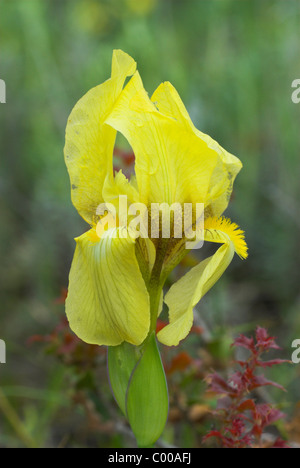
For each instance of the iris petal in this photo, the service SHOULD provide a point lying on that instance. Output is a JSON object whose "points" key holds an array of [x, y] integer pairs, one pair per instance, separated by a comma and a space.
{"points": [[90, 142], [173, 164], [189, 290], [168, 101], [107, 302]]}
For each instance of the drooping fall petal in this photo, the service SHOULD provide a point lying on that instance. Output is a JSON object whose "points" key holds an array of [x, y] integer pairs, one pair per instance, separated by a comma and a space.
{"points": [[189, 290], [108, 302]]}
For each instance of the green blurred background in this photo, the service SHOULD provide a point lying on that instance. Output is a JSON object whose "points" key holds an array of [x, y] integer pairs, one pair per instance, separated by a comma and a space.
{"points": [[233, 63]]}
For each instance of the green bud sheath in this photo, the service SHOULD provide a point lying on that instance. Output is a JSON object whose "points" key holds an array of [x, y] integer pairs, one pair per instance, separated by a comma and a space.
{"points": [[139, 385]]}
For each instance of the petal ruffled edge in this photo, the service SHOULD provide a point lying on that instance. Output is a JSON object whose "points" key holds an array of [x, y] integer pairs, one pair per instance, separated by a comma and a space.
{"points": [[169, 103], [172, 164], [89, 141]]}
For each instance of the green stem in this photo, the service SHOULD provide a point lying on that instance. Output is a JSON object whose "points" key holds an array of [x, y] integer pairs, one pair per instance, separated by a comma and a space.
{"points": [[156, 284]]}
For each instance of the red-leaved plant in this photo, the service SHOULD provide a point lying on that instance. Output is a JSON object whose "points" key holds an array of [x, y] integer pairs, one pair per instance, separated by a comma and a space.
{"points": [[243, 420]]}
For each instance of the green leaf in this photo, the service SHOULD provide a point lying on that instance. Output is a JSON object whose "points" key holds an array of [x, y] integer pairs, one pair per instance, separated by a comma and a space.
{"points": [[147, 396], [121, 361]]}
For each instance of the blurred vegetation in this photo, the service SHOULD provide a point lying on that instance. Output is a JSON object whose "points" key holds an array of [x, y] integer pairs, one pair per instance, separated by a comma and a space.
{"points": [[233, 64]]}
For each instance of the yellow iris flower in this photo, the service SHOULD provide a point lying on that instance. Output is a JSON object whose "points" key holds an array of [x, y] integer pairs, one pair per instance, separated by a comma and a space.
{"points": [[115, 284]]}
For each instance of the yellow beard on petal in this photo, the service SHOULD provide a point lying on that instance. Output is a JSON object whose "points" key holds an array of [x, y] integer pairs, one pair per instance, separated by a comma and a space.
{"points": [[216, 227]]}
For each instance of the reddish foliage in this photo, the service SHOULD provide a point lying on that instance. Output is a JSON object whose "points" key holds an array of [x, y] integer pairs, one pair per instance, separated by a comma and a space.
{"points": [[197, 330], [179, 362], [279, 443], [63, 296], [182, 360], [67, 346], [242, 419], [124, 159], [160, 324]]}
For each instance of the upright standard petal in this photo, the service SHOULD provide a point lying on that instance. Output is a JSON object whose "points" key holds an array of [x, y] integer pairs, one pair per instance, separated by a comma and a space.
{"points": [[189, 290], [107, 302], [90, 142], [173, 165], [168, 102]]}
